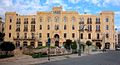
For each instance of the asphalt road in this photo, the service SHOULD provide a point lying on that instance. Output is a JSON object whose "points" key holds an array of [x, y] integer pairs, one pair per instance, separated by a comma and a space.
{"points": [[108, 58]]}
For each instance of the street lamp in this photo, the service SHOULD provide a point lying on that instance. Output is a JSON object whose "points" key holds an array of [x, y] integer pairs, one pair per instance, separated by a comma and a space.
{"points": [[79, 51], [80, 29], [49, 40]]}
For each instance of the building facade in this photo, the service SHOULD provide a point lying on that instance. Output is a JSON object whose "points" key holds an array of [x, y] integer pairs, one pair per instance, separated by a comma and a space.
{"points": [[1, 25], [59, 25], [118, 37]]}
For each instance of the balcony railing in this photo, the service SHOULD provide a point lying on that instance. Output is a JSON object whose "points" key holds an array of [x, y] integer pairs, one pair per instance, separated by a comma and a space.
{"points": [[22, 38], [95, 39], [98, 30], [97, 22], [28, 38]]}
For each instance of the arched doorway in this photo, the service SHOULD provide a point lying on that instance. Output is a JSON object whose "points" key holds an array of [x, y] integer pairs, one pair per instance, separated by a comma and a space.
{"points": [[107, 45], [99, 45], [56, 36]]}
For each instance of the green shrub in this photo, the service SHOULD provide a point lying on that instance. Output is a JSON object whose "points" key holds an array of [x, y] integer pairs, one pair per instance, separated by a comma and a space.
{"points": [[5, 56], [39, 55], [52, 46], [41, 47]]}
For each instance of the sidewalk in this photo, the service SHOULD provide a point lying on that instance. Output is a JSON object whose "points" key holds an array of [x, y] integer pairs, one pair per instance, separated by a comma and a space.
{"points": [[28, 60]]}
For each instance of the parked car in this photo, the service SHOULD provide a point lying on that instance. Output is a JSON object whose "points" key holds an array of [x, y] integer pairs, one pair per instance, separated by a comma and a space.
{"points": [[117, 48]]}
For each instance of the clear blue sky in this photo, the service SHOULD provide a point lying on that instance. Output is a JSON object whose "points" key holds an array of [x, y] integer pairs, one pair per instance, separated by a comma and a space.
{"points": [[89, 6]]}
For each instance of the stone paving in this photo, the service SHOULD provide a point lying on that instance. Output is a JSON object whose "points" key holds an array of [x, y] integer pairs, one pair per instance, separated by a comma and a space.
{"points": [[28, 60]]}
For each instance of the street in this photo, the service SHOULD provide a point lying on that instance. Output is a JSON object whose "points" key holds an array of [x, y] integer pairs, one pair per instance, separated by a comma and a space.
{"points": [[108, 58]]}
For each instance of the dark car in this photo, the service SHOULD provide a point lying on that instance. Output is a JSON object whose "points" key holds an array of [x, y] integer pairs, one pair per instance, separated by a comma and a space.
{"points": [[117, 48]]}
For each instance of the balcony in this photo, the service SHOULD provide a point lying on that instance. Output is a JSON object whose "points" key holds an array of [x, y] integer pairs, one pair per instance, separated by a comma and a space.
{"points": [[98, 30], [81, 22], [22, 38], [94, 39], [97, 22]]}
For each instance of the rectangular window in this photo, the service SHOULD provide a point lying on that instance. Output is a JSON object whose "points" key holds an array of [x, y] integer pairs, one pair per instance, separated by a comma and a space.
{"points": [[107, 28], [18, 28], [97, 20], [97, 27], [32, 35], [17, 35], [89, 36], [106, 19], [18, 21], [25, 20], [25, 35], [65, 19], [40, 35], [9, 27], [73, 35], [56, 27], [64, 27], [33, 21], [40, 27], [89, 27], [73, 19], [107, 35], [81, 27], [25, 27], [98, 36], [41, 19], [81, 21], [48, 35], [10, 20], [73, 28], [49, 19], [32, 27], [9, 35], [89, 21], [81, 35], [65, 35], [48, 27]]}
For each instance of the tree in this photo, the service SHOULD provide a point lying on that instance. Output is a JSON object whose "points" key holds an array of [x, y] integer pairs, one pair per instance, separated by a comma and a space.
{"points": [[74, 46], [2, 36], [99, 45], [88, 43], [68, 44], [7, 46]]}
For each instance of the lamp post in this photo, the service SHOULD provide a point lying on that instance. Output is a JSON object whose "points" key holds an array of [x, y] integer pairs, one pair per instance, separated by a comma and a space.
{"points": [[49, 40], [79, 51], [83, 28]]}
